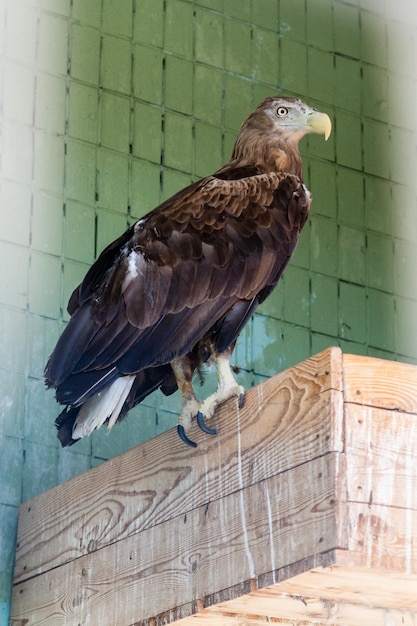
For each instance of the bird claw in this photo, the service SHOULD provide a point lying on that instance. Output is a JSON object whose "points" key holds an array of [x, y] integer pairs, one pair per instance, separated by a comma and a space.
{"points": [[204, 427], [184, 438]]}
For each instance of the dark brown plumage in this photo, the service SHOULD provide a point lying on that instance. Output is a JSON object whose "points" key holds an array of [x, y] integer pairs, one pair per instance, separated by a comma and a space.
{"points": [[178, 286]]}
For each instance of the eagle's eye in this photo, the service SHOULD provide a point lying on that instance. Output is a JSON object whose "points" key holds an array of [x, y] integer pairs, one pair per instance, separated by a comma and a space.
{"points": [[282, 111]]}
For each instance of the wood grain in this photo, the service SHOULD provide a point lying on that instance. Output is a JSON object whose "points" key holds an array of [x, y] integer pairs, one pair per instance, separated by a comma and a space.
{"points": [[288, 420], [238, 537]]}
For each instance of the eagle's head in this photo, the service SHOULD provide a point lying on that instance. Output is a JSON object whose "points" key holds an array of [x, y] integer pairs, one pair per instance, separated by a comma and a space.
{"points": [[269, 137]]}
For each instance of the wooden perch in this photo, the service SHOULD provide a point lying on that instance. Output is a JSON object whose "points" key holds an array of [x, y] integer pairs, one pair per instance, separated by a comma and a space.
{"points": [[315, 478]]}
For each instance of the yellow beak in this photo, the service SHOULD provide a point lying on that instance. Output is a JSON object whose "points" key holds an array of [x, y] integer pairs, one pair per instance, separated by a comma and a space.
{"points": [[320, 123]]}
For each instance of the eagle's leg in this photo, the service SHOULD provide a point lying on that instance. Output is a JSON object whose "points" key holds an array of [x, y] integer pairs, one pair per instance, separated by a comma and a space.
{"points": [[227, 388], [183, 371]]}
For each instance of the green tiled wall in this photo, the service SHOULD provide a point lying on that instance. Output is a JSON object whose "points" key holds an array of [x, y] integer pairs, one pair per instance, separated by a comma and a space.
{"points": [[107, 108]]}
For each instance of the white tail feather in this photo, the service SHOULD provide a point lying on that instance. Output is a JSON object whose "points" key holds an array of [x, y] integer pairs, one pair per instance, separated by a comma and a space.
{"points": [[107, 404]]}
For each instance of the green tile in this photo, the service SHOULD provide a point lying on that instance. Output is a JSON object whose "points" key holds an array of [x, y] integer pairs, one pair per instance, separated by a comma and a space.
{"points": [[324, 253], [148, 22], [74, 273], [346, 30], [178, 132], [401, 44], [348, 84], [381, 316], [21, 33], [321, 342], [17, 152], [215, 5], [237, 101], [405, 260], [375, 93], [273, 306], [18, 93], [208, 94], [50, 109], [62, 7], [85, 54], [324, 304], [113, 181], [320, 24], [12, 402], [323, 188], [147, 132], [15, 210], [374, 47], [80, 171], [265, 56], [40, 469], [228, 143], [405, 326], [13, 343], [41, 413], [116, 64], [49, 162], [301, 256], [115, 122], [350, 196], [376, 148], [208, 37], [401, 110], [79, 232], [378, 205], [173, 181], [292, 19], [179, 28], [348, 134], [296, 342], [145, 187], [265, 14], [45, 284], [147, 73], [402, 155], [208, 149], [404, 212], [179, 84], [296, 284], [52, 52], [352, 312], [321, 75], [87, 13], [83, 112], [238, 8], [380, 262], [110, 225], [352, 254], [267, 346], [46, 231], [293, 66], [238, 47], [43, 334], [117, 17], [14, 284]]}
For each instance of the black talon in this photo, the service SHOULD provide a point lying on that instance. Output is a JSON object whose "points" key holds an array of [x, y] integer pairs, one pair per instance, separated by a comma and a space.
{"points": [[183, 436], [204, 428], [241, 400]]}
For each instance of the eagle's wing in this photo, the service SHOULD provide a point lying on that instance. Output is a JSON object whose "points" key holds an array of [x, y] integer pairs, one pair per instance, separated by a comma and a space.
{"points": [[159, 288]]}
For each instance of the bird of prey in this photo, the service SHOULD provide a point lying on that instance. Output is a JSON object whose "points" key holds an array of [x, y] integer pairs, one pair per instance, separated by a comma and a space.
{"points": [[175, 290]]}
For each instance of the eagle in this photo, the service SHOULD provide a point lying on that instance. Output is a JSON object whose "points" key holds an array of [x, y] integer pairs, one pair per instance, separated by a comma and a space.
{"points": [[174, 291]]}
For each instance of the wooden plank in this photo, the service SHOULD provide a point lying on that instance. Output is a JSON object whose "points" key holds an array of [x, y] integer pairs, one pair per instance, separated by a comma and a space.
{"points": [[254, 530], [288, 420], [381, 453], [376, 382]]}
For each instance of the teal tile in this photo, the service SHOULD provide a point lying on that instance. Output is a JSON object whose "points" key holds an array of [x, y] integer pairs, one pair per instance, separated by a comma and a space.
{"points": [[80, 171], [12, 401], [145, 188], [74, 273], [179, 19], [376, 148], [45, 284], [323, 188], [208, 94], [83, 112], [352, 254], [375, 95], [147, 73], [320, 24], [265, 57], [324, 253], [49, 153], [9, 517], [79, 232], [321, 75], [71, 463], [381, 320], [52, 52], [47, 226], [110, 225], [374, 48], [405, 263], [352, 312], [41, 413], [87, 13], [293, 66], [267, 346], [348, 132], [350, 196], [380, 262], [147, 132], [112, 181], [165, 420], [178, 132], [14, 284], [115, 122], [348, 84], [273, 306], [296, 296], [238, 47], [13, 342], [324, 304], [149, 22], [238, 101], [40, 469], [118, 17], [346, 30], [15, 212], [42, 336], [116, 64], [179, 84], [292, 19], [378, 205], [242, 354], [85, 54], [208, 149], [18, 93], [208, 37]]}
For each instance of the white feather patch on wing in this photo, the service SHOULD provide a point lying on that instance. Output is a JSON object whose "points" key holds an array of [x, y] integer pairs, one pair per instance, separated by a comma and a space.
{"points": [[107, 404]]}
